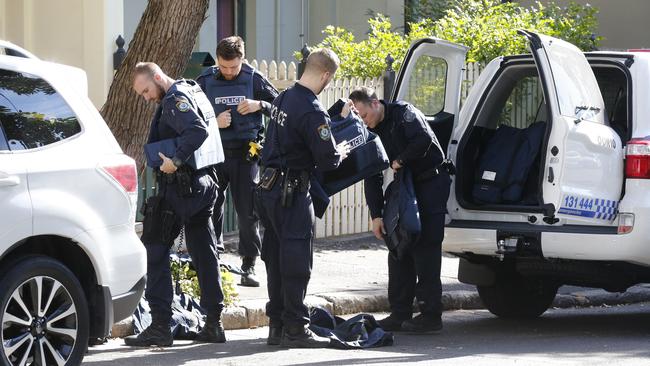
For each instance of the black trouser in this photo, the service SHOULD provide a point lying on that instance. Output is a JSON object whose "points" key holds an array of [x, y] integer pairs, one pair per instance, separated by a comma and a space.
{"points": [[194, 212], [417, 273], [288, 253], [241, 176]]}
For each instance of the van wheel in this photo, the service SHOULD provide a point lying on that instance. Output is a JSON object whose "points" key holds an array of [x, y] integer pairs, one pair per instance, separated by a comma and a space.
{"points": [[44, 314], [518, 297]]}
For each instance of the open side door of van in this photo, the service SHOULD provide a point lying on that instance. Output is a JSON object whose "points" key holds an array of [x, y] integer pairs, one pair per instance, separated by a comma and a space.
{"points": [[584, 157], [430, 79]]}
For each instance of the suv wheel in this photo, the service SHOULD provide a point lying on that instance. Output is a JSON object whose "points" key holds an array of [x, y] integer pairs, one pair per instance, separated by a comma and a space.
{"points": [[515, 296], [44, 314]]}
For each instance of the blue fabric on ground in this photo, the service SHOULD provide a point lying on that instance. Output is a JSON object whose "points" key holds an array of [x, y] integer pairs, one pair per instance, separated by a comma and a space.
{"points": [[360, 331]]}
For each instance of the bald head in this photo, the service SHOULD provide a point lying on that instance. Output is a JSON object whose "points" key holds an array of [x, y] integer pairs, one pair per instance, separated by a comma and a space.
{"points": [[322, 60], [150, 81], [149, 69]]}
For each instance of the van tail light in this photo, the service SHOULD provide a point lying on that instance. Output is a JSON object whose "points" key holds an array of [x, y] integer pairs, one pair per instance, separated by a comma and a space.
{"points": [[625, 223], [125, 175], [637, 158]]}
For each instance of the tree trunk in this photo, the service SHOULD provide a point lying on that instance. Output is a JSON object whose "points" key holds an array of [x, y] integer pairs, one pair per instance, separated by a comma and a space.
{"points": [[165, 35]]}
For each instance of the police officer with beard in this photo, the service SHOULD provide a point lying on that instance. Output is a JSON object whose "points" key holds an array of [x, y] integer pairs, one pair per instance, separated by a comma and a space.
{"points": [[410, 142], [239, 95], [186, 199], [298, 141]]}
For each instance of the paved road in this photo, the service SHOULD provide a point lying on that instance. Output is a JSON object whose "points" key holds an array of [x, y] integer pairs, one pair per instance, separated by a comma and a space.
{"points": [[609, 336]]}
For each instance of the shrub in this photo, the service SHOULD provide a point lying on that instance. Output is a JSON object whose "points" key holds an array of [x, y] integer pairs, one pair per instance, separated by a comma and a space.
{"points": [[487, 27]]}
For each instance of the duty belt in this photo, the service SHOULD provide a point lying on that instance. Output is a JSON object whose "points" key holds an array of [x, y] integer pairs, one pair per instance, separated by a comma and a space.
{"points": [[270, 176], [446, 166]]}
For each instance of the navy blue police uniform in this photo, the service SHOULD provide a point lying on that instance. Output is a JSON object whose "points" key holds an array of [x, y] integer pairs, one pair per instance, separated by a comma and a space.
{"points": [[236, 170], [180, 116], [298, 140], [408, 139]]}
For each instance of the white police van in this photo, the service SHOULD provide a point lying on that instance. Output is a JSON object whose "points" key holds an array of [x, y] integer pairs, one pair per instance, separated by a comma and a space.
{"points": [[581, 204], [71, 263]]}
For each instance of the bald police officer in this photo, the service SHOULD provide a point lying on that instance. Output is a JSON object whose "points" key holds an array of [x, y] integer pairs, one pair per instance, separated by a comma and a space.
{"points": [[240, 95], [409, 141], [298, 141], [183, 114]]}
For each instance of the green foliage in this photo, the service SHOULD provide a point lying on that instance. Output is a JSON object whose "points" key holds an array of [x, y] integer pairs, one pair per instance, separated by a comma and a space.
{"points": [[487, 27], [189, 282], [416, 10]]}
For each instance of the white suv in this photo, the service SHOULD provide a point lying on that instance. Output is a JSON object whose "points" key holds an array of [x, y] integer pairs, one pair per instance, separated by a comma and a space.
{"points": [[71, 263], [566, 198]]}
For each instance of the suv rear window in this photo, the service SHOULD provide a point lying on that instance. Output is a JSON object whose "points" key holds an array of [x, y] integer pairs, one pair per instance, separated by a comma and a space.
{"points": [[426, 85], [32, 113]]}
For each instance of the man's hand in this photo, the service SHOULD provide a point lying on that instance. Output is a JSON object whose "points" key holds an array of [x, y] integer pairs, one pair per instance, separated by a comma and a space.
{"points": [[378, 228], [349, 106], [167, 166], [343, 149], [224, 119], [247, 106], [395, 165]]}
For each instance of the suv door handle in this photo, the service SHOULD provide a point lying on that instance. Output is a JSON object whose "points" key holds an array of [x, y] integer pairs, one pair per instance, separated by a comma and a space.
{"points": [[8, 180]]}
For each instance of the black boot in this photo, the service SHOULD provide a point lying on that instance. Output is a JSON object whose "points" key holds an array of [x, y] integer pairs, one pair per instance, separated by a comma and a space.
{"points": [[275, 335], [302, 337], [393, 322], [423, 324], [249, 278], [157, 334], [212, 331]]}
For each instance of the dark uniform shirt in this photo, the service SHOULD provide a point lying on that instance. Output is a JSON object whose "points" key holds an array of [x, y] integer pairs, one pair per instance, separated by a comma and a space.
{"points": [[178, 115], [299, 135], [407, 137]]}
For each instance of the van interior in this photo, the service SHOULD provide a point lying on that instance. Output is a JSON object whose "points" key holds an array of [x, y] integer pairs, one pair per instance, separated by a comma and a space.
{"points": [[499, 161]]}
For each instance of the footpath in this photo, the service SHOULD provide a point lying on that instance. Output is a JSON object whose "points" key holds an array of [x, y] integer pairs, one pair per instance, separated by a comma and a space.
{"points": [[350, 275]]}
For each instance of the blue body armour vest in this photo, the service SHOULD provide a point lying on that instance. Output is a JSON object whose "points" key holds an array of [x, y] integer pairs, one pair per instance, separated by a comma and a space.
{"points": [[227, 94]]}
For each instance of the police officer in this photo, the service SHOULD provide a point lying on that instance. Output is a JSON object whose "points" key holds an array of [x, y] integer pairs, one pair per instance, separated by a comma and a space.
{"points": [[298, 140], [409, 141], [183, 112], [239, 95]]}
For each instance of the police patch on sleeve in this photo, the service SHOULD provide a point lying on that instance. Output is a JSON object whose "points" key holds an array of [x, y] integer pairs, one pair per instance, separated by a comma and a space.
{"points": [[182, 104], [324, 132], [409, 115]]}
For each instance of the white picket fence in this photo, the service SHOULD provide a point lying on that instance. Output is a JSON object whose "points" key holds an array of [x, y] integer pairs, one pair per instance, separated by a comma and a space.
{"points": [[347, 212]]}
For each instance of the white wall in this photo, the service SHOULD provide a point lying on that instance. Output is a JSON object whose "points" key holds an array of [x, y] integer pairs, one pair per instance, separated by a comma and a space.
{"points": [[74, 32]]}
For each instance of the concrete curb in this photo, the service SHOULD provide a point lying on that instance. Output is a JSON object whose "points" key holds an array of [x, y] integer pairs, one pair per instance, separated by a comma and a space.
{"points": [[251, 313]]}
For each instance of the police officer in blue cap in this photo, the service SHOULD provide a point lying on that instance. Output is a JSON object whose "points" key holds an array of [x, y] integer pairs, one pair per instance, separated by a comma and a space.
{"points": [[298, 141], [239, 95], [410, 142], [187, 198]]}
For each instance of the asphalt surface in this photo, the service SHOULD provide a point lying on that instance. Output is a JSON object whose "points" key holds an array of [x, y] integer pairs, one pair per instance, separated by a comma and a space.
{"points": [[618, 335]]}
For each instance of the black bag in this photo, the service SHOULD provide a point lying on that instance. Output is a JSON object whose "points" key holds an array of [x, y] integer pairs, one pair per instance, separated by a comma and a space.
{"points": [[160, 225]]}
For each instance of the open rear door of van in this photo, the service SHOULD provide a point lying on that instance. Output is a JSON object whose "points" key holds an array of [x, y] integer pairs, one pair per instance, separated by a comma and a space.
{"points": [[430, 79], [584, 171]]}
